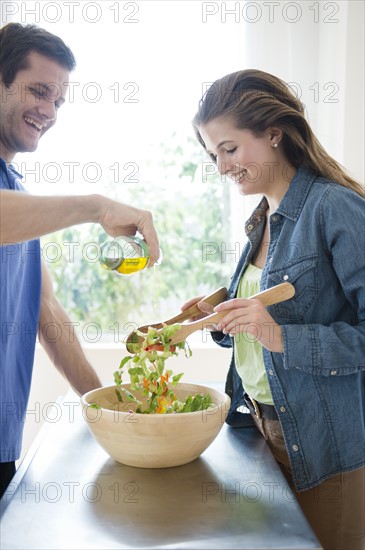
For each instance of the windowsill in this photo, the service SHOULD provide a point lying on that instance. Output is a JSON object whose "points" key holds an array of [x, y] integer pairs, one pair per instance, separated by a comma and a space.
{"points": [[197, 341]]}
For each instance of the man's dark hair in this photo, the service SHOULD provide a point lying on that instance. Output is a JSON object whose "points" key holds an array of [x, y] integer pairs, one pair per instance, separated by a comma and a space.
{"points": [[18, 41]]}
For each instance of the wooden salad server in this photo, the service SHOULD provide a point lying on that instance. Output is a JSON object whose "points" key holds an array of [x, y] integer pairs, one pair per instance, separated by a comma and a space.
{"points": [[215, 298], [268, 297]]}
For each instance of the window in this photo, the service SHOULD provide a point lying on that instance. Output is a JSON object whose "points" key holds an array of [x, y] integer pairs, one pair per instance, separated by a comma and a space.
{"points": [[125, 132]]}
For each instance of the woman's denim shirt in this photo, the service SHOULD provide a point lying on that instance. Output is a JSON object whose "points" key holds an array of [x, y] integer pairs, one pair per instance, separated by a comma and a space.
{"points": [[318, 383]]}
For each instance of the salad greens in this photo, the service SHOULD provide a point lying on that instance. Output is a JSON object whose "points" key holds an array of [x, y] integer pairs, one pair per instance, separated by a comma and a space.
{"points": [[149, 376]]}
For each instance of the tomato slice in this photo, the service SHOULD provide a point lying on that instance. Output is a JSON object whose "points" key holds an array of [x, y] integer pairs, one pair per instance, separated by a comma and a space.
{"points": [[160, 347]]}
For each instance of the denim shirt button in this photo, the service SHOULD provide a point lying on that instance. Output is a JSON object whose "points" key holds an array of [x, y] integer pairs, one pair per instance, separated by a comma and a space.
{"points": [[295, 448], [286, 277], [282, 409], [250, 227], [333, 372], [274, 218], [271, 372]]}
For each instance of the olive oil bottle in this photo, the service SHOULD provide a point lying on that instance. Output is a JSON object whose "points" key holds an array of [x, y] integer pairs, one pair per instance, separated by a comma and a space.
{"points": [[124, 255]]}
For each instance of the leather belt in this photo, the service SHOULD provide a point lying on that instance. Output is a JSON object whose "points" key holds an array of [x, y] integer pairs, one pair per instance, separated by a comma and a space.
{"points": [[261, 410]]}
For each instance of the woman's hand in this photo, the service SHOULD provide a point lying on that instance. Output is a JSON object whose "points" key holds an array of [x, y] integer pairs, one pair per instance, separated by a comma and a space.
{"points": [[249, 316], [205, 308]]}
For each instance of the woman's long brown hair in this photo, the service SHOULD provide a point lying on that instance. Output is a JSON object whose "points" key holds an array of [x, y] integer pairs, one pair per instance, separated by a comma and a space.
{"points": [[255, 101]]}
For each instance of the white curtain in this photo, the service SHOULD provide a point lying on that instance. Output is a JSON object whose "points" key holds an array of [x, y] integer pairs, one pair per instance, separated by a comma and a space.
{"points": [[319, 48]]}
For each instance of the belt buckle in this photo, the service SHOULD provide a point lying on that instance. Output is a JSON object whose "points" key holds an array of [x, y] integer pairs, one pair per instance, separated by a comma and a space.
{"points": [[256, 407]]}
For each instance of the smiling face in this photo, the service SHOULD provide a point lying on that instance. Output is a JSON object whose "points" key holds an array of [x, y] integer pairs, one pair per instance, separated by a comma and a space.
{"points": [[28, 107], [255, 163]]}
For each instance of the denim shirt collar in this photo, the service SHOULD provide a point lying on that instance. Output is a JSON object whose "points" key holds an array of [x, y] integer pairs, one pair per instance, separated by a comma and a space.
{"points": [[293, 201], [290, 206]]}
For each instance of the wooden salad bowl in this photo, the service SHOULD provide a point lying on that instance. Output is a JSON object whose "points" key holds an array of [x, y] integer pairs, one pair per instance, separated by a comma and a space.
{"points": [[153, 440]]}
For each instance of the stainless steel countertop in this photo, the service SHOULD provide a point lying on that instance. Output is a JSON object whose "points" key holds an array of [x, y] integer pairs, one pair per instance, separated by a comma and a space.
{"points": [[68, 494]]}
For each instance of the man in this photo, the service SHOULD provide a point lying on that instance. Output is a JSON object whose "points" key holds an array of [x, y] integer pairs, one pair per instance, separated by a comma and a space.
{"points": [[34, 75]]}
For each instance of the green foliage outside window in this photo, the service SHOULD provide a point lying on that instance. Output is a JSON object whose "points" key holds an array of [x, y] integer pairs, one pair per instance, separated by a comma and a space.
{"points": [[192, 216]]}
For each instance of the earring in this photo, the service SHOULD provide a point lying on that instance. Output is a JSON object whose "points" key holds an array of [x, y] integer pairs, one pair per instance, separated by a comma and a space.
{"points": [[274, 145]]}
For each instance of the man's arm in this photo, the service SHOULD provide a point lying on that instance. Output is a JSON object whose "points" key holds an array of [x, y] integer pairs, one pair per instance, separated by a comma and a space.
{"points": [[61, 344], [24, 217]]}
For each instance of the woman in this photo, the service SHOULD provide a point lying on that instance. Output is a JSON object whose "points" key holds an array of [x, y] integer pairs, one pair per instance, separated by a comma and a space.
{"points": [[297, 366]]}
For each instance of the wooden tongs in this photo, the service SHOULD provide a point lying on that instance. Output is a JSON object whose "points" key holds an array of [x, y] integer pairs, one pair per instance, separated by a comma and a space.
{"points": [[268, 297], [134, 341]]}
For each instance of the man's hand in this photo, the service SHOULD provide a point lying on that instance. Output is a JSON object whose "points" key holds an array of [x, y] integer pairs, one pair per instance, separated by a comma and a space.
{"points": [[117, 219]]}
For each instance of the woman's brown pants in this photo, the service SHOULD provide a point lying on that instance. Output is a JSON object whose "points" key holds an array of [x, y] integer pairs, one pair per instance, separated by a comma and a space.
{"points": [[335, 509]]}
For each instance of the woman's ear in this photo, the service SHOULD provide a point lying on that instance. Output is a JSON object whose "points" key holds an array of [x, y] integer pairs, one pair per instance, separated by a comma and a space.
{"points": [[274, 135]]}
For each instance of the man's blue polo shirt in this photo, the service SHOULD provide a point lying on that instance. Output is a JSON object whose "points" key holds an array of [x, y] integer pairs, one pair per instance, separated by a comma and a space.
{"points": [[20, 296]]}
